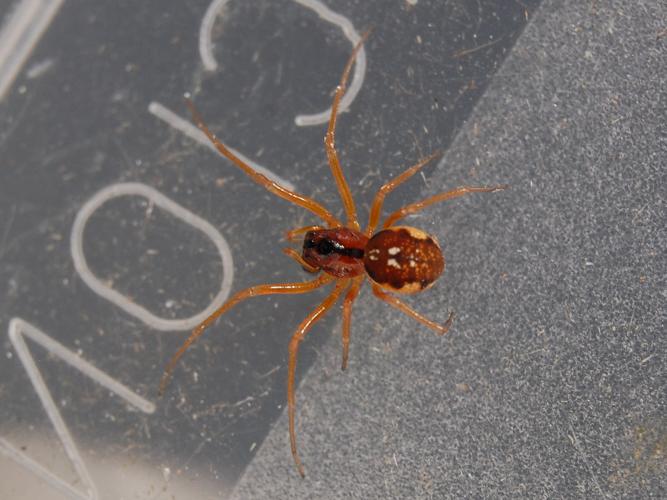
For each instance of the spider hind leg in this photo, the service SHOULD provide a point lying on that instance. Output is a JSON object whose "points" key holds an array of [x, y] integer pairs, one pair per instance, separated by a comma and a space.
{"points": [[404, 308], [296, 340], [350, 297]]}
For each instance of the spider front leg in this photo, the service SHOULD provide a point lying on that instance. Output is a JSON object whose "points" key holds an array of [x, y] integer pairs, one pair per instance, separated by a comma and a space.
{"points": [[404, 308], [290, 252], [330, 139], [262, 180], [293, 233], [278, 288], [298, 336]]}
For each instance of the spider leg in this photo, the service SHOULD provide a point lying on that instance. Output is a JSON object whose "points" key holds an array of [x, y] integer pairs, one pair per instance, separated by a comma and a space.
{"points": [[376, 207], [454, 193], [273, 187], [403, 307], [290, 252], [278, 288], [329, 141], [291, 235], [350, 297], [298, 336]]}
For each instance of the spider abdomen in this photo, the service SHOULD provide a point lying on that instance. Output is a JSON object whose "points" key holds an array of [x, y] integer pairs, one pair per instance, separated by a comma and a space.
{"points": [[403, 259]]}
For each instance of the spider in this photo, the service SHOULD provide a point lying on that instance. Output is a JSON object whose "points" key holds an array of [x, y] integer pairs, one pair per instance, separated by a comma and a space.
{"points": [[399, 259]]}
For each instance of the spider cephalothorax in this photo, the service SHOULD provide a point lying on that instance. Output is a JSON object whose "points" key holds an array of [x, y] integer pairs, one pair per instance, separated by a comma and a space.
{"points": [[338, 251]]}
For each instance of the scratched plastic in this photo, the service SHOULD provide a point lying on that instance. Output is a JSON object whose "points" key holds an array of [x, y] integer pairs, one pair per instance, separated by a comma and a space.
{"points": [[121, 227]]}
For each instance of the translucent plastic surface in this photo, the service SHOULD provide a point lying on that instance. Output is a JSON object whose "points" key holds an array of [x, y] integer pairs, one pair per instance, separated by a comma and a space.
{"points": [[120, 227]]}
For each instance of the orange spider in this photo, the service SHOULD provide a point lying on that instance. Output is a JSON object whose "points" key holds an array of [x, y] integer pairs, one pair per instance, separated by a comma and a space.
{"points": [[400, 259]]}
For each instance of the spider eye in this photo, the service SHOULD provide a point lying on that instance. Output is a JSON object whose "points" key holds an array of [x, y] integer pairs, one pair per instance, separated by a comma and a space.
{"points": [[309, 243], [325, 247]]}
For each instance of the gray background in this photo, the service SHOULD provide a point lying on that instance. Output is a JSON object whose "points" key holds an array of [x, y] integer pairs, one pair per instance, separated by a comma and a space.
{"points": [[552, 380]]}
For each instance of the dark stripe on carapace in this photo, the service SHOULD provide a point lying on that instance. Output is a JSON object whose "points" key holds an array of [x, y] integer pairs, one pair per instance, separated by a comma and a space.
{"points": [[327, 246], [355, 253]]}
